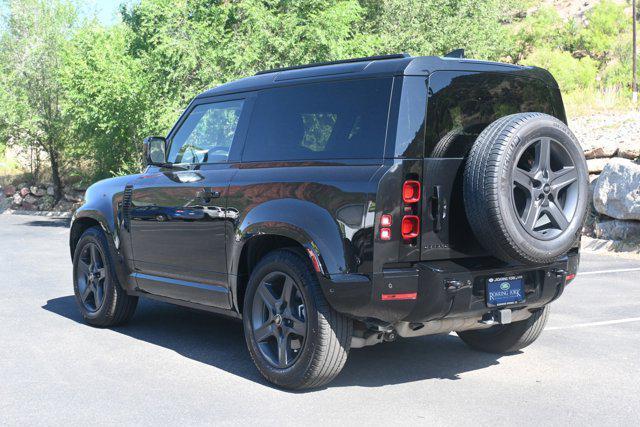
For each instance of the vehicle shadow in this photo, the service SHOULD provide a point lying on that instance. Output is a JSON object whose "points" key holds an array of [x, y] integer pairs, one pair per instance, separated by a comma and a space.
{"points": [[55, 222], [219, 342]]}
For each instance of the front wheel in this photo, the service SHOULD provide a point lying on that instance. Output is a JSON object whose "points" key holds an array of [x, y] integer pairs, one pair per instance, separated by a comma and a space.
{"points": [[101, 299], [295, 339], [507, 338]]}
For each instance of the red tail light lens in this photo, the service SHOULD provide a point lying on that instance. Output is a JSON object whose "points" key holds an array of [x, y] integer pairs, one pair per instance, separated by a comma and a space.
{"points": [[386, 220], [410, 227], [411, 191]]}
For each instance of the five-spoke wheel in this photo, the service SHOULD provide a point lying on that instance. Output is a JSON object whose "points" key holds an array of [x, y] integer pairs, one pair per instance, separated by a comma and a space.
{"points": [[295, 338], [544, 195], [101, 298], [279, 319], [90, 276]]}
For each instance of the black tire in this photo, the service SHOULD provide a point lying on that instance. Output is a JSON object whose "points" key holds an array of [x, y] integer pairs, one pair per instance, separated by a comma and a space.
{"points": [[116, 306], [324, 350], [534, 223], [507, 338]]}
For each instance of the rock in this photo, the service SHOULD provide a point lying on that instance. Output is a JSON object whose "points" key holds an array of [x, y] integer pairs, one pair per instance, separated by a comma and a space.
{"points": [[16, 202], [617, 190], [46, 203], [630, 150], [30, 199], [72, 197], [9, 190], [596, 165], [36, 191], [602, 147], [24, 191], [51, 190], [5, 203], [615, 229]]}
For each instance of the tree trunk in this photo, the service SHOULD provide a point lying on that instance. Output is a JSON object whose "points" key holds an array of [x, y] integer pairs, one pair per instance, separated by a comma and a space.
{"points": [[55, 175]]}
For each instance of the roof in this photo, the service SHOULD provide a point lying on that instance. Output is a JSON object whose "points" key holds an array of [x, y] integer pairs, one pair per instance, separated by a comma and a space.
{"points": [[392, 65]]}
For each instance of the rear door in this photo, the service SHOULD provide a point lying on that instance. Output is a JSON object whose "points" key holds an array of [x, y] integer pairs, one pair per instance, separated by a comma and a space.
{"points": [[460, 106], [178, 215]]}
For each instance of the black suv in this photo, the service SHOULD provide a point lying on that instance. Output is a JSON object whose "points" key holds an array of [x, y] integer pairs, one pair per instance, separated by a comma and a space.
{"points": [[339, 205]]}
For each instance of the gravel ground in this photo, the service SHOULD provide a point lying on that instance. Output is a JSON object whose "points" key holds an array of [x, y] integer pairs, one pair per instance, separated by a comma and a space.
{"points": [[176, 366]]}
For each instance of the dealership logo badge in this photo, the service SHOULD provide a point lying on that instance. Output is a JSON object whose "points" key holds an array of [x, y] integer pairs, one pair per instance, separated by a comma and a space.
{"points": [[505, 286]]}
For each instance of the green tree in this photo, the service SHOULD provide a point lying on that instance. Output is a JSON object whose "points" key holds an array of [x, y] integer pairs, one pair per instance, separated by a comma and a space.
{"points": [[31, 54], [438, 26], [108, 98]]}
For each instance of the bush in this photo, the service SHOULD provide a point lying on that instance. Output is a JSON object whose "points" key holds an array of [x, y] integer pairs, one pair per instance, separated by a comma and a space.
{"points": [[571, 73], [605, 22]]}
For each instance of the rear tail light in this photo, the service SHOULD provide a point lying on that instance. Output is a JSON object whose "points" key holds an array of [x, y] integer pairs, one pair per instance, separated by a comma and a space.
{"points": [[386, 220], [385, 234], [411, 191], [410, 227]]}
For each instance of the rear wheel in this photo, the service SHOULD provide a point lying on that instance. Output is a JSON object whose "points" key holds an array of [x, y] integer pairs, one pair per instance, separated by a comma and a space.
{"points": [[101, 299], [295, 338], [507, 338]]}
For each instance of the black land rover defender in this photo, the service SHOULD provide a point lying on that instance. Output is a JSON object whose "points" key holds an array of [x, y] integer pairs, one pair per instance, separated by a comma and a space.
{"points": [[339, 205]]}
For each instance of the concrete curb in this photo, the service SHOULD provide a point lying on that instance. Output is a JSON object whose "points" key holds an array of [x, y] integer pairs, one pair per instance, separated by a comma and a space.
{"points": [[50, 214]]}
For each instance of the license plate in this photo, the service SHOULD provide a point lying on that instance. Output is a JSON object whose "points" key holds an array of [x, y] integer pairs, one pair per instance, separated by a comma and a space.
{"points": [[505, 290]]}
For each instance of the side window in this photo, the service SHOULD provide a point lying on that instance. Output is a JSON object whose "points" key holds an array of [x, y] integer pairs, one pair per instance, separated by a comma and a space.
{"points": [[207, 133], [462, 104], [333, 120]]}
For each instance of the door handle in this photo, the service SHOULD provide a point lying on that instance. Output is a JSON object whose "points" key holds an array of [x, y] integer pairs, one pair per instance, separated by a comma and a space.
{"points": [[206, 195]]}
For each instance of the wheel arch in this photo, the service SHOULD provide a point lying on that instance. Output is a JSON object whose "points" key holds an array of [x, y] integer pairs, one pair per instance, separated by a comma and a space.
{"points": [[80, 224], [305, 227]]}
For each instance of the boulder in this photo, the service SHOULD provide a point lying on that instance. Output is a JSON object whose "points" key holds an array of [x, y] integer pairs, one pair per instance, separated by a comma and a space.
{"points": [[596, 165], [30, 199], [9, 190], [5, 203], [46, 203], [601, 147], [71, 197], [24, 191], [615, 229], [630, 149], [617, 190], [37, 191], [17, 199], [51, 190]]}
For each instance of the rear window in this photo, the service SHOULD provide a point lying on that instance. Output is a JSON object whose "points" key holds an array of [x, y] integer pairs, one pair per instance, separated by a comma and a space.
{"points": [[461, 105], [320, 121]]}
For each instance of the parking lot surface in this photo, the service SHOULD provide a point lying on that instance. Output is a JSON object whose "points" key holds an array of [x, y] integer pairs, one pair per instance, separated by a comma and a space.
{"points": [[173, 365]]}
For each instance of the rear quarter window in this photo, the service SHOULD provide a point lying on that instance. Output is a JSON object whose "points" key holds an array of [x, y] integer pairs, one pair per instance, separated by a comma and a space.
{"points": [[320, 121], [461, 105]]}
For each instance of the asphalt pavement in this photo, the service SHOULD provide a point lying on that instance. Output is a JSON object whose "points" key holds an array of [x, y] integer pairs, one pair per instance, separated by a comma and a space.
{"points": [[173, 365]]}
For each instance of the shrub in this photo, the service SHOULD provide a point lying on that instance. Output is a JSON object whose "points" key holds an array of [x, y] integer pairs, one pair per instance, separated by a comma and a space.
{"points": [[571, 73]]}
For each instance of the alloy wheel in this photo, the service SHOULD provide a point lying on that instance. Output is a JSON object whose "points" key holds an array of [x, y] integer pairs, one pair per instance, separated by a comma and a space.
{"points": [[279, 320], [91, 276], [545, 190]]}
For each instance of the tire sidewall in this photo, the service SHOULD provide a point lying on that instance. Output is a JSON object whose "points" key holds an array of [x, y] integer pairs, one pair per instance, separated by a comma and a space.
{"points": [[541, 126], [293, 374], [94, 235]]}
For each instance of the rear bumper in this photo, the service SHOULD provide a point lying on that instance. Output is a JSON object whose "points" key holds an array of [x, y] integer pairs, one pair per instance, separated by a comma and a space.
{"points": [[446, 289]]}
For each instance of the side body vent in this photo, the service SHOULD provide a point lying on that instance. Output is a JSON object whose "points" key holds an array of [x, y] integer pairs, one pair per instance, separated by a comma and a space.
{"points": [[126, 206]]}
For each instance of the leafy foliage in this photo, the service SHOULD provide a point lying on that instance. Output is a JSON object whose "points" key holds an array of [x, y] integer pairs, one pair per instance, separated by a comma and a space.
{"points": [[85, 95]]}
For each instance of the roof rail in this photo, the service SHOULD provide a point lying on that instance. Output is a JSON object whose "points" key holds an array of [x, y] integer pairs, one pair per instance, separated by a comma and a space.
{"points": [[341, 61]]}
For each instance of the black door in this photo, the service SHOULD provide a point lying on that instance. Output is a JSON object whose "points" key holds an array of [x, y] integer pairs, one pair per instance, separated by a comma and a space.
{"points": [[178, 215]]}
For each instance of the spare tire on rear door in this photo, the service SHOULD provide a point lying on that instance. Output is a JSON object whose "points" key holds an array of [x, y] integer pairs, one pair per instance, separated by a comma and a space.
{"points": [[526, 188]]}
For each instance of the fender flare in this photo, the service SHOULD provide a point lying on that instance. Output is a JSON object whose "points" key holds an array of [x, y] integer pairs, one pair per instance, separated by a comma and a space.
{"points": [[308, 224]]}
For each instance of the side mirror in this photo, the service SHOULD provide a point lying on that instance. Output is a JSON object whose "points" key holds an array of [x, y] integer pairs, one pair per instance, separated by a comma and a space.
{"points": [[153, 149]]}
